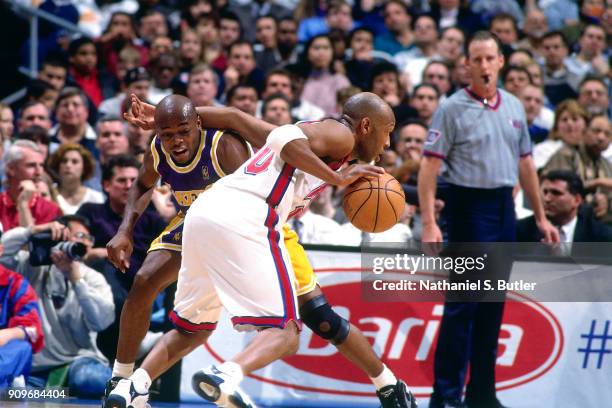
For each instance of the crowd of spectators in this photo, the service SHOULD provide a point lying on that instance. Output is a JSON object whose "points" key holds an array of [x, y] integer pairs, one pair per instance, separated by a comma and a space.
{"points": [[68, 158]]}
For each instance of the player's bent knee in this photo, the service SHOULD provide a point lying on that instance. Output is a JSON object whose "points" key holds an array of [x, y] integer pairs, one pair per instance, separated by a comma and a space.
{"points": [[318, 315]]}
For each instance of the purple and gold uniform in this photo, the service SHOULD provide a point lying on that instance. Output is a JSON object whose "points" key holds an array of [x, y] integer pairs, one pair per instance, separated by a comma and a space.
{"points": [[186, 181]]}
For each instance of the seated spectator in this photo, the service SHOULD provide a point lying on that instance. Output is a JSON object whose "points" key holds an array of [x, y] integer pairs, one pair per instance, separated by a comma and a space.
{"points": [[138, 139], [152, 24], [206, 36], [593, 169], [536, 25], [21, 333], [230, 31], [75, 303], [398, 21], [190, 53], [344, 95], [241, 67], [136, 81], [409, 142], [412, 62], [515, 79], [112, 141], [363, 57], [322, 82], [559, 82], [203, 85], [38, 135], [163, 69], [6, 124], [118, 176], [505, 27], [244, 98], [591, 59], [562, 196], [34, 114], [287, 41], [438, 73], [532, 98], [72, 127], [455, 13], [385, 82], [71, 165], [266, 48], [54, 71], [425, 100], [20, 205], [83, 70], [290, 84], [593, 96], [41, 91], [276, 109], [451, 43], [160, 45], [338, 16], [568, 128], [460, 74]]}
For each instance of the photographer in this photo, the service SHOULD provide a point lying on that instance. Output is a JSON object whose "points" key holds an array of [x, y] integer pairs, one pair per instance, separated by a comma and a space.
{"points": [[75, 302]]}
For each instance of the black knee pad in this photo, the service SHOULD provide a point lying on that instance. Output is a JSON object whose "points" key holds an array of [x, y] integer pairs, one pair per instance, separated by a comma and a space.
{"points": [[318, 315]]}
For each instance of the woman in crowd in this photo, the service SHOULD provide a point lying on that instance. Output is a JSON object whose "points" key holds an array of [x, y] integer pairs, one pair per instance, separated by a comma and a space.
{"points": [[71, 165]]}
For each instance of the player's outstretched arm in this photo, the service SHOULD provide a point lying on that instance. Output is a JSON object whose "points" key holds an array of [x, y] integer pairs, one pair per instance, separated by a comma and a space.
{"points": [[120, 247], [253, 130]]}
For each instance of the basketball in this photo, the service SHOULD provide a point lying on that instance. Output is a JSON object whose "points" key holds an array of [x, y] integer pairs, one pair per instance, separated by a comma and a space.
{"points": [[374, 204]]}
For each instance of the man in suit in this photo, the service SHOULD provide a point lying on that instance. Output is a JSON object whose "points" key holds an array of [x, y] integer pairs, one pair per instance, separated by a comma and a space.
{"points": [[562, 195]]}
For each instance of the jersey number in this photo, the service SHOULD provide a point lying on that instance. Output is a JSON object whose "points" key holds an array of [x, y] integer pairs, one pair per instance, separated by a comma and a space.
{"points": [[260, 162]]}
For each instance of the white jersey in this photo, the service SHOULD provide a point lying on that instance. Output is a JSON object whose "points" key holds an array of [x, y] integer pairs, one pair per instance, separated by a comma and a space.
{"points": [[266, 175]]}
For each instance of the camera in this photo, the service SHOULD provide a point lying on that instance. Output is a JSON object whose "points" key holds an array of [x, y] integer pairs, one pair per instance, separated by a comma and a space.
{"points": [[41, 245]]}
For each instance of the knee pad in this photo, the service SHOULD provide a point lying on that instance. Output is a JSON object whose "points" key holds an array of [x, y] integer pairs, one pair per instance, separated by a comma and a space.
{"points": [[318, 315]]}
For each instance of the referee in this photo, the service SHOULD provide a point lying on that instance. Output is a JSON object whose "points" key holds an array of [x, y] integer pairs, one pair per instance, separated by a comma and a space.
{"points": [[480, 133]]}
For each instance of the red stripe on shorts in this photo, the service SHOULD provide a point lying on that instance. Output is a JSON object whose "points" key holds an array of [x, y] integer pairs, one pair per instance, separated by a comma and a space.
{"points": [[186, 325]]}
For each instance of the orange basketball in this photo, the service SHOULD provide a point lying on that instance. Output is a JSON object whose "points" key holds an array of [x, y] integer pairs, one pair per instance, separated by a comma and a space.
{"points": [[374, 204]]}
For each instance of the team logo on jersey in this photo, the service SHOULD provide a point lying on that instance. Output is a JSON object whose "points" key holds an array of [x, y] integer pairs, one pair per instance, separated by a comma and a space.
{"points": [[433, 135], [205, 173], [177, 236], [515, 123]]}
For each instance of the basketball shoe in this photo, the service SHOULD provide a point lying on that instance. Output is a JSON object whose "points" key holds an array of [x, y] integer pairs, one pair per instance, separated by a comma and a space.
{"points": [[124, 395], [216, 386]]}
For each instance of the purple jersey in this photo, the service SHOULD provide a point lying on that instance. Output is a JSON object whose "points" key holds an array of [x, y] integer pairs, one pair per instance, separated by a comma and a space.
{"points": [[189, 180]]}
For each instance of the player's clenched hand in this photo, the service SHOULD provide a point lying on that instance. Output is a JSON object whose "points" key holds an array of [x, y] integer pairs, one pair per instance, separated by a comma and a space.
{"points": [[354, 172], [120, 250], [140, 113]]}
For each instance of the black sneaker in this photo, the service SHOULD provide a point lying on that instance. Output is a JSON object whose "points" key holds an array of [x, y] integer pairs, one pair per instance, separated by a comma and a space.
{"points": [[110, 386], [396, 396], [125, 396]]}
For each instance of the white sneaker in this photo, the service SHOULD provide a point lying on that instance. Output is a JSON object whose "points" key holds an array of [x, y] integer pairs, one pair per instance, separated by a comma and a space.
{"points": [[216, 386], [125, 396]]}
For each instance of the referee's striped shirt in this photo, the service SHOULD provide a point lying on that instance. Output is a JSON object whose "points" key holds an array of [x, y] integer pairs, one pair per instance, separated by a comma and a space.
{"points": [[480, 144]]}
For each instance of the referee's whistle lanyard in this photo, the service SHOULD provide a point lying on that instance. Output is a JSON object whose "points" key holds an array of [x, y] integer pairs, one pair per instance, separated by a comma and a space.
{"points": [[488, 103]]}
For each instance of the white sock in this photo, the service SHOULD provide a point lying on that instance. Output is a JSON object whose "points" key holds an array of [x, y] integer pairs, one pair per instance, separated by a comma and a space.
{"points": [[233, 370], [383, 379], [141, 381], [122, 370]]}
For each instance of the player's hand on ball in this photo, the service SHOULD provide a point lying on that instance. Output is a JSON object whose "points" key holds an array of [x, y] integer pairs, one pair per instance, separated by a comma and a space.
{"points": [[140, 113], [120, 250], [354, 172]]}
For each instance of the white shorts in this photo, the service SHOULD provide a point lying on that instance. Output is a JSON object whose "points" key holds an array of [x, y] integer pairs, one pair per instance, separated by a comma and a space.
{"points": [[233, 255]]}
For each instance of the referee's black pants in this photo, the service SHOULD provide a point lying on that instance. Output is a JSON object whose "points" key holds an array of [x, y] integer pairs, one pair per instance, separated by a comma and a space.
{"points": [[469, 330]]}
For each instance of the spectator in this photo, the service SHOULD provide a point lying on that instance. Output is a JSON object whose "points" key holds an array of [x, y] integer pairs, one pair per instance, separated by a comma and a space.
{"points": [[54, 71], [191, 53], [230, 31], [559, 82], [20, 326], [207, 32], [242, 67], [19, 203], [6, 124], [593, 169], [34, 114], [570, 124], [112, 141], [266, 49], [75, 302], [276, 109], [243, 97], [504, 26], [337, 16], [413, 60], [83, 68], [535, 27], [344, 95], [536, 72], [359, 66], [129, 58], [425, 100], [72, 127], [488, 9], [438, 73], [138, 139], [152, 25], [410, 141], [460, 73], [163, 69], [160, 45], [118, 177], [280, 80], [385, 82], [203, 85], [136, 81], [38, 135], [287, 41], [593, 96], [455, 13], [562, 195], [514, 79], [322, 82], [519, 58], [532, 98], [398, 21], [590, 60], [41, 91], [450, 44], [71, 165]]}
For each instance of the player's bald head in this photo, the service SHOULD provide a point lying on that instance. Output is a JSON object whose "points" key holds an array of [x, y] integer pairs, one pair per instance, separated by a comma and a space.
{"points": [[174, 109], [367, 105]]}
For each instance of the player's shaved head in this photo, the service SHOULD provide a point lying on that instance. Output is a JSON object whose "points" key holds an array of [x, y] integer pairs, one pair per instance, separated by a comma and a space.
{"points": [[174, 109], [368, 105]]}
